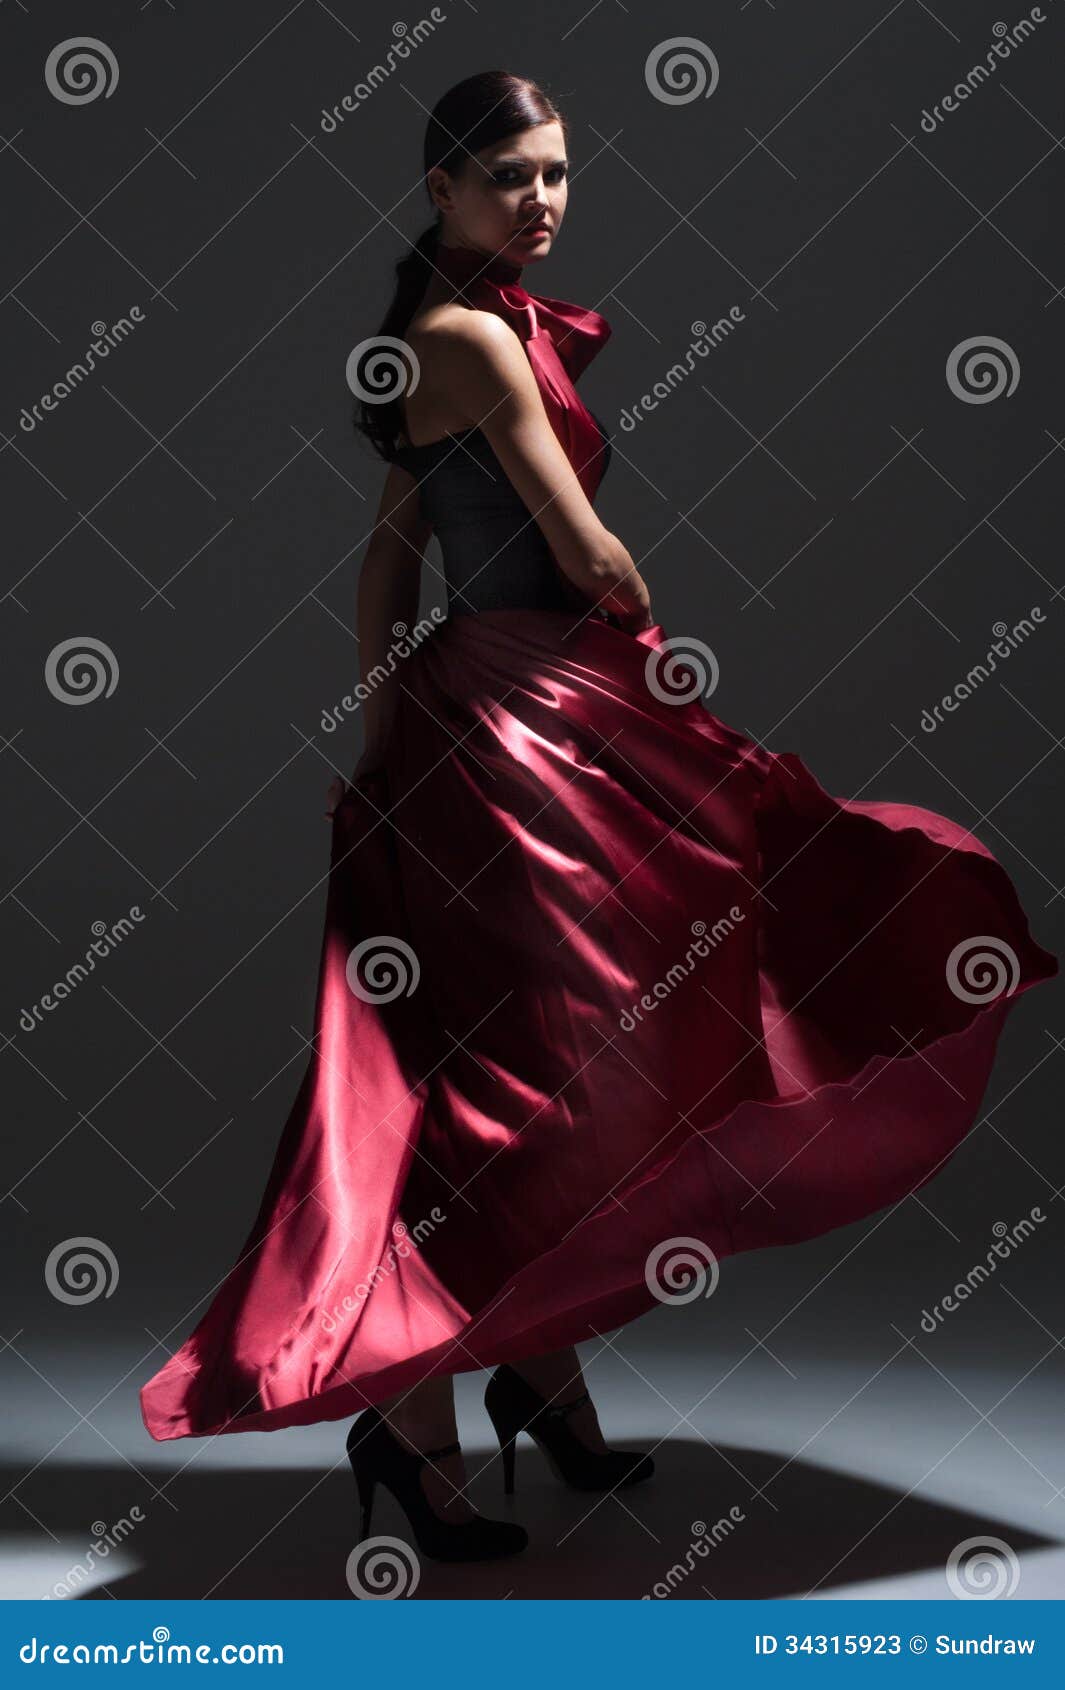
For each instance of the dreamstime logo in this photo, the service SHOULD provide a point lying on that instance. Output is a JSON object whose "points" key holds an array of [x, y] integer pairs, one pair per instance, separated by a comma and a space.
{"points": [[380, 1569], [382, 968], [703, 1540], [105, 1538], [706, 340], [80, 70], [105, 940], [81, 1269], [406, 39], [80, 670], [1006, 641], [143, 1653], [982, 1569], [681, 971], [1006, 41], [107, 337], [987, 963], [404, 642], [395, 1253], [683, 63], [382, 368], [680, 670], [677, 1269], [981, 369], [1008, 1239]]}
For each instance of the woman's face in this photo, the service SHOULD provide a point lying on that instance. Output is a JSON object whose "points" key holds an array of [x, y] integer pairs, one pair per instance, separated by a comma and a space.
{"points": [[511, 198]]}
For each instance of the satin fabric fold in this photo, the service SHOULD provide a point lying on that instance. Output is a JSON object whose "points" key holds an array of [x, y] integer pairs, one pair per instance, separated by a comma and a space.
{"points": [[493, 284], [480, 1167], [598, 973]]}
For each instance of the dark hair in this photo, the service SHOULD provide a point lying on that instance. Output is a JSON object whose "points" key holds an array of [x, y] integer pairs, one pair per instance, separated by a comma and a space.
{"points": [[473, 114]]}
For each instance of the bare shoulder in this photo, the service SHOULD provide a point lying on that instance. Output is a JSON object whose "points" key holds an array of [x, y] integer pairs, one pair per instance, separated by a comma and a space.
{"points": [[455, 336]]}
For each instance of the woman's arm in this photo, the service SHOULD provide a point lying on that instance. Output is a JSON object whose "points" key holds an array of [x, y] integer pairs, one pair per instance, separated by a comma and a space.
{"points": [[388, 590], [483, 366]]}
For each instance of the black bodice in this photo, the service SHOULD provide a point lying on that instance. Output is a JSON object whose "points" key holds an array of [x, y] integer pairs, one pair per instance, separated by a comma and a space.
{"points": [[494, 554]]}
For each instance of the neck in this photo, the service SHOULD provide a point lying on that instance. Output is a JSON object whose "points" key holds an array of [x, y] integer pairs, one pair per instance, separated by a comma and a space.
{"points": [[465, 263]]}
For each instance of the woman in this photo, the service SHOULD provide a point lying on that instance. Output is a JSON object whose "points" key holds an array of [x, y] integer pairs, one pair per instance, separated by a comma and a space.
{"points": [[604, 984]]}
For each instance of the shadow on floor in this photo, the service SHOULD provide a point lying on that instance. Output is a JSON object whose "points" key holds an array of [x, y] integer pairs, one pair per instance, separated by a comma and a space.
{"points": [[287, 1533]]}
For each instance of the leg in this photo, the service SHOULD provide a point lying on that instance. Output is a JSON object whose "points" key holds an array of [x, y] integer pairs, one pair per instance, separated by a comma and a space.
{"points": [[558, 1377], [424, 1418]]}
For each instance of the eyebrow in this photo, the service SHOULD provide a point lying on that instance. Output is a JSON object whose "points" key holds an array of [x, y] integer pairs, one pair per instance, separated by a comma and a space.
{"points": [[517, 158]]}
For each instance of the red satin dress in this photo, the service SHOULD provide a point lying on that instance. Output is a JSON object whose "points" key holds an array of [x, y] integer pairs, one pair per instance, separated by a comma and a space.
{"points": [[604, 984]]}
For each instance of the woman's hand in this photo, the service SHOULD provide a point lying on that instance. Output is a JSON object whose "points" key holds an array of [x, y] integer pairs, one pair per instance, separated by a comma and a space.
{"points": [[627, 601], [638, 620], [632, 621], [369, 763]]}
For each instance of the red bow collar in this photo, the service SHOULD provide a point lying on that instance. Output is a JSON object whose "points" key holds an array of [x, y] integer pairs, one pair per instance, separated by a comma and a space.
{"points": [[487, 281]]}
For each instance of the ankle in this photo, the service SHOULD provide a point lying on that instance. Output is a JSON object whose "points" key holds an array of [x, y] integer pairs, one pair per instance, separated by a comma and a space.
{"points": [[424, 1418], [556, 1378], [421, 1435]]}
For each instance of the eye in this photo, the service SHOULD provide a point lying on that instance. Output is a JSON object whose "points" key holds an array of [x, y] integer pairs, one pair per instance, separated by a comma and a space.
{"points": [[508, 174]]}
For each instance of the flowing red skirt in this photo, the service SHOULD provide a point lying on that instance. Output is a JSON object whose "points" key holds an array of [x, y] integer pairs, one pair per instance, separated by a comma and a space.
{"points": [[602, 980]]}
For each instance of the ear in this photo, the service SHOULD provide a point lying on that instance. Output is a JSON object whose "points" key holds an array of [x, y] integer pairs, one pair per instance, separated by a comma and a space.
{"points": [[439, 184]]}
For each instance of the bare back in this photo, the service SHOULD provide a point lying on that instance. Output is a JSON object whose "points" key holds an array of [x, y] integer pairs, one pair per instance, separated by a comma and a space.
{"points": [[431, 411]]}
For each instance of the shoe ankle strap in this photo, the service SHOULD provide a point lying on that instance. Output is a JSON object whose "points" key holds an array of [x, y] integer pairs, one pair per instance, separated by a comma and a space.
{"points": [[438, 1454], [559, 1410]]}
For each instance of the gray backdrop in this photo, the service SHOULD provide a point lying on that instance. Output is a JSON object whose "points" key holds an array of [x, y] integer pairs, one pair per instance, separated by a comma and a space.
{"points": [[841, 522]]}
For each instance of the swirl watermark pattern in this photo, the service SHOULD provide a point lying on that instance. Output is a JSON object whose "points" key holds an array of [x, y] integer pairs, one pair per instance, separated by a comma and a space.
{"points": [[978, 969], [406, 38], [81, 70], [403, 1237], [105, 940], [706, 340], [107, 336], [681, 670], [380, 1569], [982, 369], [105, 1539], [680, 70], [704, 1540], [381, 369], [1008, 1239], [79, 1270], [405, 641], [1006, 42], [80, 670], [982, 1569], [1006, 641], [677, 1270], [700, 948], [382, 968]]}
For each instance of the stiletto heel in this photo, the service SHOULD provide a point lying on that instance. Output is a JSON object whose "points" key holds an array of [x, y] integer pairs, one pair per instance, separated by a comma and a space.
{"points": [[377, 1457], [507, 1446], [513, 1406], [367, 1484]]}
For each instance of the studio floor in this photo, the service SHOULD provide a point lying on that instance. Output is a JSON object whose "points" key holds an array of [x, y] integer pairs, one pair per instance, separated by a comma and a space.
{"points": [[853, 1472]]}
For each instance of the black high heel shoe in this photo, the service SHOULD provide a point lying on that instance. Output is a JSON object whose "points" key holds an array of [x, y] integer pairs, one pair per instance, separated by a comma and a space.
{"points": [[513, 1406], [377, 1456]]}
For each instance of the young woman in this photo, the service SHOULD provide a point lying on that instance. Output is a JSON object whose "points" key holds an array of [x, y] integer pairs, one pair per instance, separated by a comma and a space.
{"points": [[607, 990]]}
